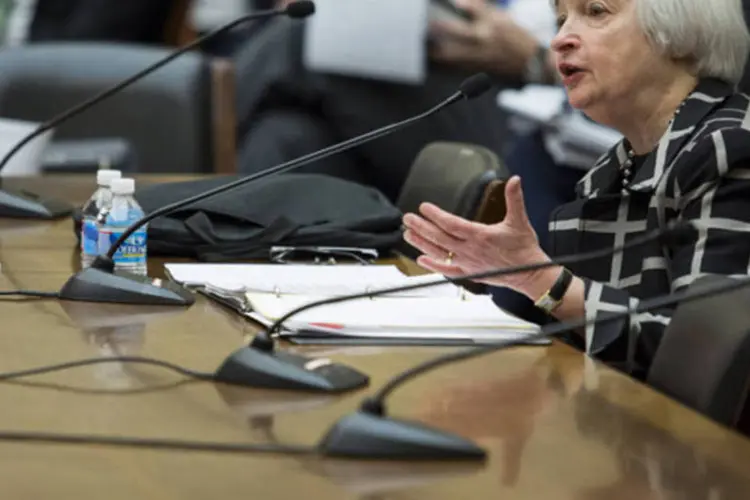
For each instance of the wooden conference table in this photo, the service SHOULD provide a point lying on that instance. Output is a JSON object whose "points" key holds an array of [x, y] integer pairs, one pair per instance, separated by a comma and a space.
{"points": [[558, 426]]}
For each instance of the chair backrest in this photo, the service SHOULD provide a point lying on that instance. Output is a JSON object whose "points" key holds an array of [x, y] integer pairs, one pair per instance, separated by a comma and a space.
{"points": [[463, 179], [703, 360], [168, 117], [456, 177]]}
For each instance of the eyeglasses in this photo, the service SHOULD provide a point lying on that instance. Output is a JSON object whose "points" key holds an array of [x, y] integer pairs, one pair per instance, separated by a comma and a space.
{"points": [[323, 255]]}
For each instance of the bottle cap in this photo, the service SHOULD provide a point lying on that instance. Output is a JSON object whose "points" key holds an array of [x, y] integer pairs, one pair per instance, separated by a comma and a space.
{"points": [[123, 186], [105, 176]]}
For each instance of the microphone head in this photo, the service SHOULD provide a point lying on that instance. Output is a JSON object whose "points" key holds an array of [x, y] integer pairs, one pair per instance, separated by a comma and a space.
{"points": [[475, 85], [300, 9], [679, 233]]}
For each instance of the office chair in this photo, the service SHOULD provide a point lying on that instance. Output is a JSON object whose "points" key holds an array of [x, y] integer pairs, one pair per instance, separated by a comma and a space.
{"points": [[464, 179], [180, 119], [703, 360]]}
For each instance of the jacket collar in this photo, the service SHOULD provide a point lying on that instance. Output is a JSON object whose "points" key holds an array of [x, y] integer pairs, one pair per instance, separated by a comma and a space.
{"points": [[604, 177]]}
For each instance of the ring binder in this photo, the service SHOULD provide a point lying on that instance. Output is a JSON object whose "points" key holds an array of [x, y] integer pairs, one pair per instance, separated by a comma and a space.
{"points": [[441, 315]]}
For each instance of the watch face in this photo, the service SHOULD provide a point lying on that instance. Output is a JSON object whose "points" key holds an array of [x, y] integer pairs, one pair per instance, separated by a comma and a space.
{"points": [[546, 303]]}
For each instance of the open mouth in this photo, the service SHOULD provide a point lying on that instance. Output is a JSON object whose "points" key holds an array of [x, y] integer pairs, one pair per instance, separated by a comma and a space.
{"points": [[569, 70]]}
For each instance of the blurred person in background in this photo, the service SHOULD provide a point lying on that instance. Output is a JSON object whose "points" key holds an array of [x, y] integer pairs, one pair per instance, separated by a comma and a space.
{"points": [[285, 110]]}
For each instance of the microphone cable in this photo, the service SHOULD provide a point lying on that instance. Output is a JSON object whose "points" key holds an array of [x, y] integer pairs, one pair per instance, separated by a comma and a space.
{"points": [[373, 404], [139, 442], [29, 294]]}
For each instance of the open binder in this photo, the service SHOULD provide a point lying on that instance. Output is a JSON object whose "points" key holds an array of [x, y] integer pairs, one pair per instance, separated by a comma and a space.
{"points": [[441, 315]]}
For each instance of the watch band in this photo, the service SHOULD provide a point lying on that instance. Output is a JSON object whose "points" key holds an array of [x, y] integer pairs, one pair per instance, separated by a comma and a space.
{"points": [[551, 300]]}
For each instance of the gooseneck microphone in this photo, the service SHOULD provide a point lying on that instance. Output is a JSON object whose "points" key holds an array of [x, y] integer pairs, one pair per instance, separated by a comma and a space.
{"points": [[369, 433], [472, 87], [26, 205], [261, 364], [248, 366], [678, 233], [99, 283]]}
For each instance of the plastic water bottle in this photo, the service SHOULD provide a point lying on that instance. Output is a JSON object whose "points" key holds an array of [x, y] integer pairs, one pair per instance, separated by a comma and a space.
{"points": [[90, 211], [114, 219]]}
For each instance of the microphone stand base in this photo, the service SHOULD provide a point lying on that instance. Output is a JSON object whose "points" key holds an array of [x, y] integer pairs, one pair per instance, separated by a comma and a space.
{"points": [[96, 285], [253, 367], [367, 436], [25, 205]]}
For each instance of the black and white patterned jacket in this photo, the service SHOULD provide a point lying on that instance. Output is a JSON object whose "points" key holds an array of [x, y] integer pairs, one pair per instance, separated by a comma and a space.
{"points": [[704, 153]]}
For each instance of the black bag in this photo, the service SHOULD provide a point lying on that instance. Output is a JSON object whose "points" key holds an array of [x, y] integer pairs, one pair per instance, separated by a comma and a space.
{"points": [[288, 210]]}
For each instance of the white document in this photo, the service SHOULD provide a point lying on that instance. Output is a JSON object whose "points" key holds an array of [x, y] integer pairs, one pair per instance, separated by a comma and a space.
{"points": [[28, 160], [300, 279], [379, 39], [427, 317], [539, 103], [206, 15]]}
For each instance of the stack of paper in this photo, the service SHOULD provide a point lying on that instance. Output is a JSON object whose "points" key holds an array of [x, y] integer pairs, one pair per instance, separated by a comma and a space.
{"points": [[310, 280], [265, 293]]}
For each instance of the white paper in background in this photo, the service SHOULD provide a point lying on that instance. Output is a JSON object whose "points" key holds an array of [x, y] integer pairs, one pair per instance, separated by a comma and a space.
{"points": [[317, 280], [379, 39], [538, 103], [28, 160], [206, 15], [537, 16], [284, 278]]}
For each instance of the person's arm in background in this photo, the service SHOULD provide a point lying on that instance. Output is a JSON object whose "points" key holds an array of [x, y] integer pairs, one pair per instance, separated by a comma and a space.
{"points": [[495, 42]]}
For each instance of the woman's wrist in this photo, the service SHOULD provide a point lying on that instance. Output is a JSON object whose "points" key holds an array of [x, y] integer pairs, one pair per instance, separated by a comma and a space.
{"points": [[570, 305], [540, 282]]}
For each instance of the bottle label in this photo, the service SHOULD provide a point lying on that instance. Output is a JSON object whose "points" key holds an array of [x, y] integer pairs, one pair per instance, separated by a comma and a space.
{"points": [[89, 236], [132, 251]]}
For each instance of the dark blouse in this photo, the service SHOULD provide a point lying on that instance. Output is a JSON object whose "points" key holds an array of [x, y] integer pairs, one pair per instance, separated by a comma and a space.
{"points": [[699, 172]]}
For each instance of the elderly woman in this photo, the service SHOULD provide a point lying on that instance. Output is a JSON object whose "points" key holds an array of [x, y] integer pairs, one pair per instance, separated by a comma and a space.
{"points": [[663, 73]]}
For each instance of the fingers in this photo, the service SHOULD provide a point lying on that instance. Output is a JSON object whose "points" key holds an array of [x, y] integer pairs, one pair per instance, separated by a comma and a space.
{"points": [[425, 246], [431, 232], [457, 54], [454, 33], [515, 207], [439, 266], [434, 258], [453, 225]]}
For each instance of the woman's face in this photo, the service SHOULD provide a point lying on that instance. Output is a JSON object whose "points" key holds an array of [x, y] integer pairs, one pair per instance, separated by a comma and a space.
{"points": [[605, 60]]}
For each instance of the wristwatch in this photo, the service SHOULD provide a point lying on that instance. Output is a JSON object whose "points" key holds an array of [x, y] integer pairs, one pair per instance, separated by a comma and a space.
{"points": [[536, 68], [551, 300]]}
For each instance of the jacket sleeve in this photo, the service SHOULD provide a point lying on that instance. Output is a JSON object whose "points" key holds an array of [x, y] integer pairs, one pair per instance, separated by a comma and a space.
{"points": [[711, 190]]}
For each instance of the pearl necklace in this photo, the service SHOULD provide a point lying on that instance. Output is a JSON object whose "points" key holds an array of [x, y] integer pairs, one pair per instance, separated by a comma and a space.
{"points": [[626, 168]]}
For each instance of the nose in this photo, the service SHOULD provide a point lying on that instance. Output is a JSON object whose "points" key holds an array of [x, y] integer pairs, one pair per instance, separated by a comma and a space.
{"points": [[565, 42]]}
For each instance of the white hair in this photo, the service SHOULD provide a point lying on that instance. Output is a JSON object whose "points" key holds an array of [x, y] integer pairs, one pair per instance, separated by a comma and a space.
{"points": [[710, 35]]}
